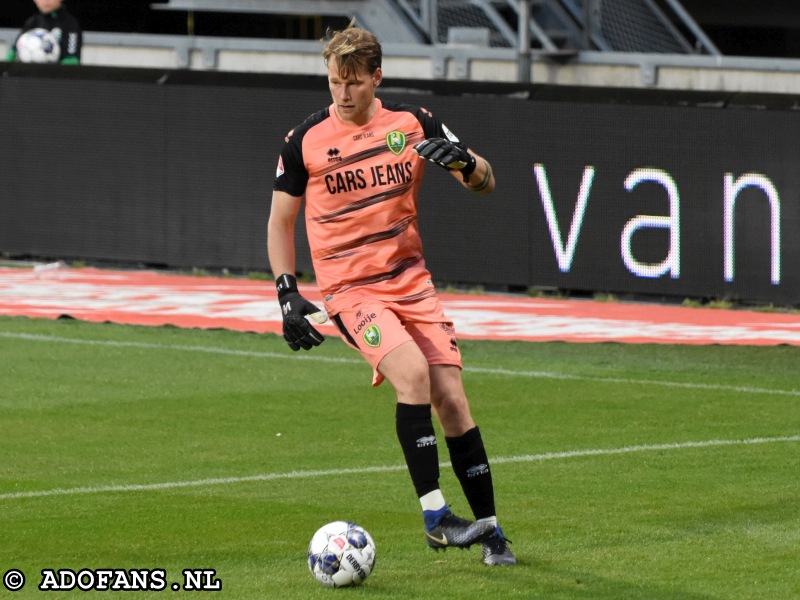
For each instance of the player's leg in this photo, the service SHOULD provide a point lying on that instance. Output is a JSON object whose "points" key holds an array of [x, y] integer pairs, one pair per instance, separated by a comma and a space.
{"points": [[468, 457], [436, 337], [377, 333], [406, 369], [464, 441]]}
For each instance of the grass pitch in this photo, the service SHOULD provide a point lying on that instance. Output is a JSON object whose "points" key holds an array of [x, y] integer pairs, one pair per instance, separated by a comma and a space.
{"points": [[652, 472]]}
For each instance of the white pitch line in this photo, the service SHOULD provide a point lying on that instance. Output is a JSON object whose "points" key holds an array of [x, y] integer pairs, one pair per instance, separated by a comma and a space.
{"points": [[676, 384], [349, 361], [645, 448], [35, 337], [170, 485]]}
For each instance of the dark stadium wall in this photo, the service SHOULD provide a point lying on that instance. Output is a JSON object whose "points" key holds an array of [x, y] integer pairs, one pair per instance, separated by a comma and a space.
{"points": [[643, 192]]}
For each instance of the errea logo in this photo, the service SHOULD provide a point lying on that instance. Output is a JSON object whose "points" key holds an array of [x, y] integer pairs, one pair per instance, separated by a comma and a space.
{"points": [[477, 470], [428, 440], [333, 155]]}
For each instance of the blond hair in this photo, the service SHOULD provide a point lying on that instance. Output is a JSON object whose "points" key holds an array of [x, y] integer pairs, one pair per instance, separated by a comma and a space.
{"points": [[354, 48]]}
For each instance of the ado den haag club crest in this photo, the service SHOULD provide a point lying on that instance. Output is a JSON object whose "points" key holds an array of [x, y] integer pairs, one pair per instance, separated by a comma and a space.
{"points": [[396, 140], [372, 336]]}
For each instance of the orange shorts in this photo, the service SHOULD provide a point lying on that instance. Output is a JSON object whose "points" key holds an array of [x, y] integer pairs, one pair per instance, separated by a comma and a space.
{"points": [[376, 327]]}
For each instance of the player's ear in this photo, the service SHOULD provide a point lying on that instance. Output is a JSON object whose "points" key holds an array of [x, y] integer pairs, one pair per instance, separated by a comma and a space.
{"points": [[377, 77]]}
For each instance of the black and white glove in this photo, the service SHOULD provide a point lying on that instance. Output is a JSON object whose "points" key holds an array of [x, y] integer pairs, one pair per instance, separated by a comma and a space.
{"points": [[297, 331], [450, 155]]}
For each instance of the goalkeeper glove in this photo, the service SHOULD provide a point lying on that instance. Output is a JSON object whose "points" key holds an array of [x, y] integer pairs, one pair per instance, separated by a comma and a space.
{"points": [[297, 331], [450, 155]]}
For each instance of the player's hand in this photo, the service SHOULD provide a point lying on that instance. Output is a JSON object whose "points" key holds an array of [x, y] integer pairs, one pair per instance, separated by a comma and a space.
{"points": [[450, 155], [297, 331]]}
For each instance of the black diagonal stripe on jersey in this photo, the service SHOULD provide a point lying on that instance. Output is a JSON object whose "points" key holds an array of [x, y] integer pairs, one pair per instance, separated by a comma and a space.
{"points": [[414, 137], [368, 153], [416, 297], [339, 215], [348, 248], [402, 266]]}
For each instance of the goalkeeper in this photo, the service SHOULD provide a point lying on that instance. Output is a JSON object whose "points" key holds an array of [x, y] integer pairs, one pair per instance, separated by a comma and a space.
{"points": [[359, 163], [54, 17]]}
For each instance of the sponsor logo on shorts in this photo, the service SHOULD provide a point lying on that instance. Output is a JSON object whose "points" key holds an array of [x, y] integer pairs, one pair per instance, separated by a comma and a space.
{"points": [[372, 336], [363, 321]]}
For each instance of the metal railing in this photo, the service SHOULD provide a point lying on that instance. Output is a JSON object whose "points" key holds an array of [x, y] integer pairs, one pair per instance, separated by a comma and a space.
{"points": [[638, 26], [553, 25]]}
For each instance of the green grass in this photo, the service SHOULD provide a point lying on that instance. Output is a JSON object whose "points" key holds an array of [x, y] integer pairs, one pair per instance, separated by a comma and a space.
{"points": [[652, 472]]}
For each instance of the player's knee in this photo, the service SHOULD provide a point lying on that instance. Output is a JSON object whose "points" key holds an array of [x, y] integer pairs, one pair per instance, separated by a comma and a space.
{"points": [[407, 370], [450, 402], [453, 411], [414, 384]]}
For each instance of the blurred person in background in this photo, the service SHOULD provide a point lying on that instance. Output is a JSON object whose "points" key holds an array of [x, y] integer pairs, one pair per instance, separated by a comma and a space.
{"points": [[65, 28]]}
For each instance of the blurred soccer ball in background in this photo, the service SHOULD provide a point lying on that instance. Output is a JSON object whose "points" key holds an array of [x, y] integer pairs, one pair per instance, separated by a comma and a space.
{"points": [[38, 46], [341, 554]]}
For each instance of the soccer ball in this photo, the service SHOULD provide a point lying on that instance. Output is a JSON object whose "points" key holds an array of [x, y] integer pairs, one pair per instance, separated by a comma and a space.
{"points": [[341, 554], [38, 46]]}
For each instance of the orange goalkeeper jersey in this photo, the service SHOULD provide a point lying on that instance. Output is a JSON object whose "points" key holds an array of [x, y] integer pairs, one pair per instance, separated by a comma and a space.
{"points": [[360, 185]]}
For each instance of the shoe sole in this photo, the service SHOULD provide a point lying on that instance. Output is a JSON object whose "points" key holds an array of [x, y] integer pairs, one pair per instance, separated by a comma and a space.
{"points": [[499, 560], [504, 563]]}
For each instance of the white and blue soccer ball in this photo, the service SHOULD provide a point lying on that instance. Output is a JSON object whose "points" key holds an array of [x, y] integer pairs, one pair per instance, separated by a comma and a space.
{"points": [[38, 46], [341, 554]]}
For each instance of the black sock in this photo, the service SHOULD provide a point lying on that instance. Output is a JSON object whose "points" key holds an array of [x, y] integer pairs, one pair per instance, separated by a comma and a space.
{"points": [[418, 441], [471, 465]]}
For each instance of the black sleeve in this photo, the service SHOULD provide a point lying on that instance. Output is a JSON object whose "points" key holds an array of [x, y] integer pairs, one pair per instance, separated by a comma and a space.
{"points": [[433, 127], [292, 175]]}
